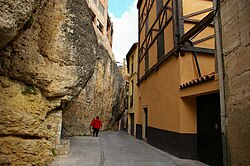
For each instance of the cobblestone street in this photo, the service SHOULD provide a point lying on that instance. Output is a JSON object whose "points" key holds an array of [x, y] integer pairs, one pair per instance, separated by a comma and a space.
{"points": [[117, 149]]}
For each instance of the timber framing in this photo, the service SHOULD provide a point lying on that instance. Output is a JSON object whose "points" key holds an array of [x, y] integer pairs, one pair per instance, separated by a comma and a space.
{"points": [[198, 12], [175, 23], [145, 13], [172, 12], [161, 22], [180, 18], [150, 39], [197, 28], [203, 39], [197, 49], [195, 21]]}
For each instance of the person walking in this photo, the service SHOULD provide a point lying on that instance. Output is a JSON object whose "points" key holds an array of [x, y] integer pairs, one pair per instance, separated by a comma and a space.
{"points": [[97, 124]]}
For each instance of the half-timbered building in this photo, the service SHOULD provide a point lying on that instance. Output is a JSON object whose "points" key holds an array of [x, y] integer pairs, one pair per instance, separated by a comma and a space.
{"points": [[179, 104]]}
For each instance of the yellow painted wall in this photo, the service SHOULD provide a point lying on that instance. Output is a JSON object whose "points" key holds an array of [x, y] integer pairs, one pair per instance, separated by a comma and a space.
{"points": [[188, 67], [191, 6], [201, 89], [153, 56], [160, 94], [142, 68], [188, 115], [168, 35]]}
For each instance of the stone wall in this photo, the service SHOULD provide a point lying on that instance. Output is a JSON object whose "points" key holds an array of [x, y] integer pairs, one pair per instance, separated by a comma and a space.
{"points": [[48, 55], [236, 53]]}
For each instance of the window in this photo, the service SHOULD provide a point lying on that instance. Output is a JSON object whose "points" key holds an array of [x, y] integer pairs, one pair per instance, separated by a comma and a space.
{"points": [[146, 27], [131, 96], [93, 16], [112, 31], [99, 26], [160, 38], [101, 8], [146, 61], [160, 45], [159, 5]]}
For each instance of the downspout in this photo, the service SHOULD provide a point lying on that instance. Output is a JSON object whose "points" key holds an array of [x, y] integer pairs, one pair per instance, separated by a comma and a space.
{"points": [[220, 69]]}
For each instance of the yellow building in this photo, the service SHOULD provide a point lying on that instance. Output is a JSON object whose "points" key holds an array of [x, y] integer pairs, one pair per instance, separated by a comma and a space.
{"points": [[132, 65], [179, 104]]}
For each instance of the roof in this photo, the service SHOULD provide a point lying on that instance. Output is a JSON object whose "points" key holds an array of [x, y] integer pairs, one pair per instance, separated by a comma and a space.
{"points": [[197, 81]]}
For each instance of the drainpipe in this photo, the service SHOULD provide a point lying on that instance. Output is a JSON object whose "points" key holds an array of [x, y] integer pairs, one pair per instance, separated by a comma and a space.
{"points": [[220, 69]]}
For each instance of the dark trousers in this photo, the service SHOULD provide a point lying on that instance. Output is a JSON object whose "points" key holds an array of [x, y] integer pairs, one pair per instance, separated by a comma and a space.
{"points": [[95, 132]]}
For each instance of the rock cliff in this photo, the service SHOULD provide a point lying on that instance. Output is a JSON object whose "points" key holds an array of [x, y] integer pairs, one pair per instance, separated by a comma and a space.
{"points": [[51, 71], [103, 96]]}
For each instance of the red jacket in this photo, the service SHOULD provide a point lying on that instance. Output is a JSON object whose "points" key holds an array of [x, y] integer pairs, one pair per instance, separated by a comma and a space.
{"points": [[96, 123]]}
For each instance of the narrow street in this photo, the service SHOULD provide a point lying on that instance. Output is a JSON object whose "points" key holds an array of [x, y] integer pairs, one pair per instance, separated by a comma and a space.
{"points": [[117, 149]]}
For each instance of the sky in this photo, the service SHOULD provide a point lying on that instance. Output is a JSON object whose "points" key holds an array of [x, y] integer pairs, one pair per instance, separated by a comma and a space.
{"points": [[123, 14]]}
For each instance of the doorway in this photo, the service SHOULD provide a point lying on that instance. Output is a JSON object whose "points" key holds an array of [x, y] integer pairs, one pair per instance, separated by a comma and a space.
{"points": [[145, 123], [209, 140], [132, 124]]}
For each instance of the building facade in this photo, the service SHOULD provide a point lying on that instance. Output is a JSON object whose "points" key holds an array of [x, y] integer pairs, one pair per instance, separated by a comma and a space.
{"points": [[178, 95], [133, 97], [102, 24]]}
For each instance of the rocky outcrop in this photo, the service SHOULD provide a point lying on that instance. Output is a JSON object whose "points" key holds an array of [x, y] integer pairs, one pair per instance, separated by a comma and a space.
{"points": [[23, 110], [57, 45], [19, 151], [24, 125], [101, 96], [48, 55], [14, 14]]}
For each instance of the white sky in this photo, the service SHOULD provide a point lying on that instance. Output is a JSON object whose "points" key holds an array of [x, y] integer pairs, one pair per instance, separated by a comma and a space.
{"points": [[125, 32]]}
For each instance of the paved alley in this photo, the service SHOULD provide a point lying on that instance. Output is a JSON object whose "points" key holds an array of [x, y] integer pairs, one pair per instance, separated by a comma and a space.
{"points": [[117, 149]]}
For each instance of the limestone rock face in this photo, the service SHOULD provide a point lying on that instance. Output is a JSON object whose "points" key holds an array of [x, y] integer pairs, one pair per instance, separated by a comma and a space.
{"points": [[48, 55], [58, 44], [25, 137], [14, 14], [101, 97], [18, 151], [23, 110]]}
